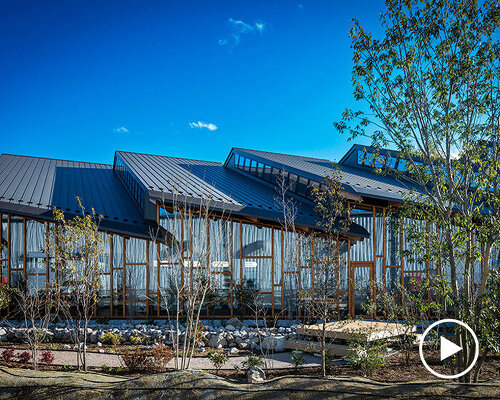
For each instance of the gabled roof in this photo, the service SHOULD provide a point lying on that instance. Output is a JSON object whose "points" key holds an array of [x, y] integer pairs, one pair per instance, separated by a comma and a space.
{"points": [[34, 186]]}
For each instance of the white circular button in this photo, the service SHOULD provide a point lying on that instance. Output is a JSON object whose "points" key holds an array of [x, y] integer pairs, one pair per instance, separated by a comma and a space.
{"points": [[448, 348]]}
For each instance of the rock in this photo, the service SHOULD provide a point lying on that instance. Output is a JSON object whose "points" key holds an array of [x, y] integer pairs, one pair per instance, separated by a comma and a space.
{"points": [[233, 350], [217, 341], [66, 347], [230, 328], [275, 343], [234, 322], [93, 337], [101, 351], [256, 375], [99, 344]]}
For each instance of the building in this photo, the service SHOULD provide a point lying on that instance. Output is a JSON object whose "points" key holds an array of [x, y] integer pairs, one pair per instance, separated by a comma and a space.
{"points": [[136, 196]]}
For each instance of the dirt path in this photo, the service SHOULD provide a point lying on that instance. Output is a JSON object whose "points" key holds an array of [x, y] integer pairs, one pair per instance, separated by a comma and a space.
{"points": [[56, 385]]}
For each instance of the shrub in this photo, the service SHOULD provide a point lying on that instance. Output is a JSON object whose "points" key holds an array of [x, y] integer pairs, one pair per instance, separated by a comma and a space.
{"points": [[53, 346], [7, 355], [106, 369], [111, 338], [253, 361], [161, 356], [297, 358], [47, 357], [135, 361], [137, 339], [67, 367], [24, 357], [367, 357], [102, 321], [142, 360], [217, 359], [329, 357]]}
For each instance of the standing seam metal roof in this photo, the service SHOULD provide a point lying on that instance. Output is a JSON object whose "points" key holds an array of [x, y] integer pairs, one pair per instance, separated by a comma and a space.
{"points": [[362, 181], [47, 183]]}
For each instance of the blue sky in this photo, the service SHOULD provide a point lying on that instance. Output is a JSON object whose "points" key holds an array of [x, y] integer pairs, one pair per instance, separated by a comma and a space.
{"points": [[82, 78]]}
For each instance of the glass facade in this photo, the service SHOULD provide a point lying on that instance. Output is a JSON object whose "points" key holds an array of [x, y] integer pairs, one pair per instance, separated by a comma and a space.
{"points": [[139, 276]]}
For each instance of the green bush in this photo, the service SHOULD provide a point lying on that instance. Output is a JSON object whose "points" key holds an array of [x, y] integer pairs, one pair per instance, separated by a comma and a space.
{"points": [[111, 338], [367, 357], [106, 369], [138, 339], [217, 359], [297, 358], [253, 361]]}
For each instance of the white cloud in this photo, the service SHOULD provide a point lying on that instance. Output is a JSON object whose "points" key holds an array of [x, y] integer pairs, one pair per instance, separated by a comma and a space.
{"points": [[201, 125], [121, 129], [239, 27]]}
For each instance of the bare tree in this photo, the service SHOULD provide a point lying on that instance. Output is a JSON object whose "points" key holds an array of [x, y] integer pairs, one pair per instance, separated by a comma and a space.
{"points": [[35, 306], [195, 243]]}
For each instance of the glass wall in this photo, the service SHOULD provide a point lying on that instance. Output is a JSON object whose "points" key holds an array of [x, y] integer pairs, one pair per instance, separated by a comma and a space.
{"points": [[241, 260]]}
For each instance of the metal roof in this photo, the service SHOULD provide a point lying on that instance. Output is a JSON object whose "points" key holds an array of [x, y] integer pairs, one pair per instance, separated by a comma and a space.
{"points": [[194, 179], [362, 181], [34, 186]]}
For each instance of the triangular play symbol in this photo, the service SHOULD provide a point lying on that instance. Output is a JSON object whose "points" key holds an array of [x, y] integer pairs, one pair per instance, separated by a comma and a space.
{"points": [[448, 348]]}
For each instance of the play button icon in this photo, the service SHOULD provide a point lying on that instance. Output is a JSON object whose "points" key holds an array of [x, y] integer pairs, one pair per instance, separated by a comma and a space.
{"points": [[448, 348]]}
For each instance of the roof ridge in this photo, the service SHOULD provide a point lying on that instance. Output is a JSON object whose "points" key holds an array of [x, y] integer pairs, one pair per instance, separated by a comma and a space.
{"points": [[169, 157], [54, 159], [283, 154]]}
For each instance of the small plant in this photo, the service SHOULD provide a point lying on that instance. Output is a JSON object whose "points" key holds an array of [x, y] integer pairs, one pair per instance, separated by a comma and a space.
{"points": [[106, 369], [47, 357], [137, 339], [53, 346], [367, 357], [67, 367], [116, 370], [252, 361], [297, 358], [24, 357], [111, 338], [135, 361], [7, 355], [217, 359], [161, 356], [329, 357]]}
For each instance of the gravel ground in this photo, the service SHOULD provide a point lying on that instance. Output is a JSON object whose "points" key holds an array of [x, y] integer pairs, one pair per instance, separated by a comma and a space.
{"points": [[277, 360]]}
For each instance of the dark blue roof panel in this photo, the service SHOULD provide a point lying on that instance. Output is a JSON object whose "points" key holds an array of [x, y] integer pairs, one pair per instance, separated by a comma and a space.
{"points": [[169, 177], [362, 181], [34, 186]]}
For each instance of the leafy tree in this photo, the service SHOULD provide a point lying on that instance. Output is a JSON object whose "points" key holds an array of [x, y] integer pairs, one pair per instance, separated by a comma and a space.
{"points": [[332, 208], [431, 87], [77, 245]]}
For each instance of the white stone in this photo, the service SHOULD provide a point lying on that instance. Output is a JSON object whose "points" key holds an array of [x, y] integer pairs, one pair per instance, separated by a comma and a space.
{"points": [[256, 375]]}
